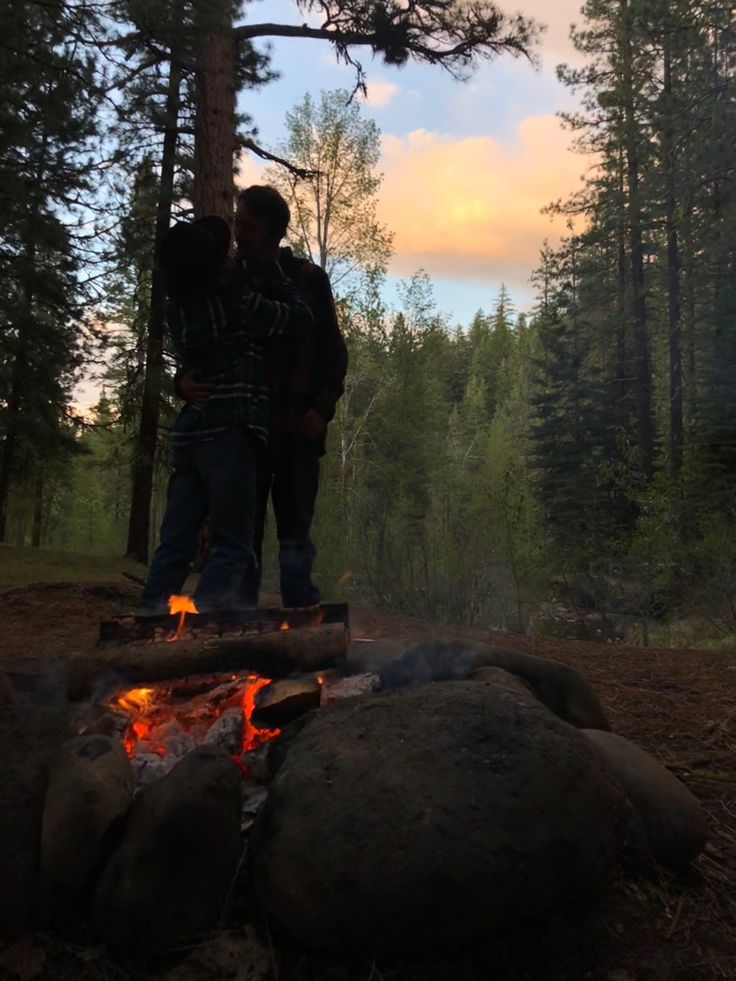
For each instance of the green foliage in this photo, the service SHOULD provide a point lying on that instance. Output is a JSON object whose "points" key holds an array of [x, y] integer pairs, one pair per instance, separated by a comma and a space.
{"points": [[334, 211], [49, 97]]}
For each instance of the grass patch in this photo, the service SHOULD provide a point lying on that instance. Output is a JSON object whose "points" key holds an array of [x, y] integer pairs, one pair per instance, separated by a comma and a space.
{"points": [[20, 566]]}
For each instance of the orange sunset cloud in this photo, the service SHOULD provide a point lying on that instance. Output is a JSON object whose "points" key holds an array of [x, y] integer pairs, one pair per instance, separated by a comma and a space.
{"points": [[471, 207]]}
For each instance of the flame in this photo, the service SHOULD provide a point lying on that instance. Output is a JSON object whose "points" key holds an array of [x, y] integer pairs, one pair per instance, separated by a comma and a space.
{"points": [[181, 605], [135, 700], [252, 737], [151, 709], [284, 626]]}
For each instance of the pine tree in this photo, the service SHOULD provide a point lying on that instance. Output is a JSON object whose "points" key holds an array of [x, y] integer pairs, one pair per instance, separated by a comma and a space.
{"points": [[49, 98]]}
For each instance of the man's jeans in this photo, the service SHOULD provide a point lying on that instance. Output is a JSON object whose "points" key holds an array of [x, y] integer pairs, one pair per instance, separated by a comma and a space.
{"points": [[216, 479], [293, 482]]}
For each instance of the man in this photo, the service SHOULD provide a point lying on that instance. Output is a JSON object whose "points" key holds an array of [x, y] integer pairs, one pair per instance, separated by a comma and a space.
{"points": [[220, 330], [305, 383]]}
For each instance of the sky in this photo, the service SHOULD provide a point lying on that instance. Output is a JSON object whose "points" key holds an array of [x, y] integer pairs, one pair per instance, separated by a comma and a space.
{"points": [[468, 166]]}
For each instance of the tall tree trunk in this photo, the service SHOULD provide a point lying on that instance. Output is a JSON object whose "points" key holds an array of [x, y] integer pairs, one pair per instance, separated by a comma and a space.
{"points": [[15, 399], [690, 321], [643, 371], [139, 524], [37, 530], [673, 274], [10, 443], [214, 131], [622, 504]]}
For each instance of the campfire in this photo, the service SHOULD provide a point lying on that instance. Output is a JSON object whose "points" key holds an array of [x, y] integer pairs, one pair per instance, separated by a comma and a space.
{"points": [[239, 711], [170, 719]]}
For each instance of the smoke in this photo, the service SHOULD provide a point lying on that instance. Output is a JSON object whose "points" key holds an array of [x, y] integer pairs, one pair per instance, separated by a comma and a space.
{"points": [[435, 660]]}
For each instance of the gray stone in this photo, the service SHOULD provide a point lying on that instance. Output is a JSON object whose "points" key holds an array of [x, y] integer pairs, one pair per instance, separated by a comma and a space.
{"points": [[675, 823], [89, 793], [350, 687], [30, 737], [227, 731], [167, 883], [497, 676], [433, 816], [8, 694], [557, 686]]}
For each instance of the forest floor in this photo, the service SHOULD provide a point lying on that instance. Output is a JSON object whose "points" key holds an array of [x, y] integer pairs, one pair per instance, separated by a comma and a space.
{"points": [[680, 705]]}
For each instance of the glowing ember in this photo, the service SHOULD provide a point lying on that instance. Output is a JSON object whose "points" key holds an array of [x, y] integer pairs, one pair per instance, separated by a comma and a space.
{"points": [[181, 605], [252, 737], [158, 717]]}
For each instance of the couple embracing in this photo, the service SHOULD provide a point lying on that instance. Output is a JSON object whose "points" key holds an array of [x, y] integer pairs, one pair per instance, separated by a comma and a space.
{"points": [[261, 366]]}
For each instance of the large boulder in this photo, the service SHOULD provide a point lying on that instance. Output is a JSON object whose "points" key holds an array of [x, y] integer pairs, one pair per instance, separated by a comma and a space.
{"points": [[504, 679], [675, 823], [30, 738], [559, 687], [433, 816], [167, 883], [89, 793]]}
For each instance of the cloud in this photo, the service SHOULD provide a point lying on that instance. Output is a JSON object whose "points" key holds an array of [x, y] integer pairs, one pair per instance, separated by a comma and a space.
{"points": [[470, 207], [380, 93], [557, 17]]}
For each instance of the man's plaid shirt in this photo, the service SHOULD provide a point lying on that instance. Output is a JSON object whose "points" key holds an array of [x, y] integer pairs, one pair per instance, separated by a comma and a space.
{"points": [[223, 336]]}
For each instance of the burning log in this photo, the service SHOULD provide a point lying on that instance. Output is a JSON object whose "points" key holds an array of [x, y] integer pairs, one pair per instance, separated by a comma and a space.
{"points": [[130, 628], [274, 655], [280, 703]]}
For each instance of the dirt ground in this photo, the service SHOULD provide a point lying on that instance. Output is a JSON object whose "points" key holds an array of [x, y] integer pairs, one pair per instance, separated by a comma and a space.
{"points": [[679, 705]]}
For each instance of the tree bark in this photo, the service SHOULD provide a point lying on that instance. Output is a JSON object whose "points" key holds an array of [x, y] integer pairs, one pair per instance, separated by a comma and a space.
{"points": [[15, 399], [673, 276], [10, 443], [214, 130], [643, 371], [37, 528], [139, 525]]}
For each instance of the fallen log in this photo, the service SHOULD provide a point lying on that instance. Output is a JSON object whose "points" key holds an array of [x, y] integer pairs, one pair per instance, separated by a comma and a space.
{"points": [[129, 628], [273, 655]]}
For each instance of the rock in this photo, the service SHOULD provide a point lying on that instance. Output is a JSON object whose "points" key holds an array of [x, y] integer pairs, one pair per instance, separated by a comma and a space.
{"points": [[675, 823], [89, 793], [350, 687], [39, 681], [497, 676], [227, 732], [167, 883], [433, 816], [276, 749], [148, 767], [557, 686], [8, 694], [281, 702], [30, 737]]}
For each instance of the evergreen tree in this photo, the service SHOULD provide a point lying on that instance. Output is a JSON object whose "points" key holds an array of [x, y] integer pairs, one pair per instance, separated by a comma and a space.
{"points": [[49, 98]]}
